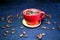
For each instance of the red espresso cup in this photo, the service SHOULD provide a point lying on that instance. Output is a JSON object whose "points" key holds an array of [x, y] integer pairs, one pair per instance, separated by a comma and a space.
{"points": [[33, 19]]}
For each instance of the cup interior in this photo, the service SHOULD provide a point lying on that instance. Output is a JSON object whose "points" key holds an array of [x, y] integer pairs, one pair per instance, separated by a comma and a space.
{"points": [[31, 12]]}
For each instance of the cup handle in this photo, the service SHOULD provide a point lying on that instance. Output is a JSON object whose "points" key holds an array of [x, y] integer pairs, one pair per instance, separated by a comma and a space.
{"points": [[42, 15]]}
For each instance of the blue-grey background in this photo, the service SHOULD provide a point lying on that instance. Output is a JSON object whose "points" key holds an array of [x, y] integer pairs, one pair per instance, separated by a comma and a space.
{"points": [[12, 7]]}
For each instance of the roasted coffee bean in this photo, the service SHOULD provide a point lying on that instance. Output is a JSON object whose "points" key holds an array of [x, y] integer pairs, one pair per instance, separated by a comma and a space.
{"points": [[4, 34], [21, 35], [58, 27], [3, 27], [52, 28], [13, 29], [9, 16], [17, 15], [39, 36], [43, 27], [9, 21], [54, 22], [2, 18], [22, 27], [6, 31], [12, 32], [48, 22], [24, 33], [7, 25], [48, 15], [43, 34]]}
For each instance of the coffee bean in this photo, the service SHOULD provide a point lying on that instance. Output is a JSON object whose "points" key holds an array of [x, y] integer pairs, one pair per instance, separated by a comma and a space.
{"points": [[39, 36], [48, 15], [12, 32], [43, 34], [9, 16], [4, 34], [6, 31], [48, 22], [58, 27], [52, 28], [17, 15], [54, 22], [24, 33], [21, 35], [43, 27], [9, 21], [2, 18], [13, 29], [22, 27], [7, 25], [3, 27]]}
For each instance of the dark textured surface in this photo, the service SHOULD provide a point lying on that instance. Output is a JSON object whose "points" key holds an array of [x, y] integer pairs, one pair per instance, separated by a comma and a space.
{"points": [[12, 9]]}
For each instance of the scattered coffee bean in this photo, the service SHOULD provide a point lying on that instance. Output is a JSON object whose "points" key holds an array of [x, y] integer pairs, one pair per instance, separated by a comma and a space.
{"points": [[43, 27], [24, 33], [58, 27], [52, 28], [39, 36], [6, 31], [9, 21], [13, 29], [3, 27], [54, 22], [43, 34], [2, 18], [7, 25], [17, 15], [12, 32], [49, 16], [22, 27], [10, 16], [48, 22], [4, 34], [21, 35]]}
